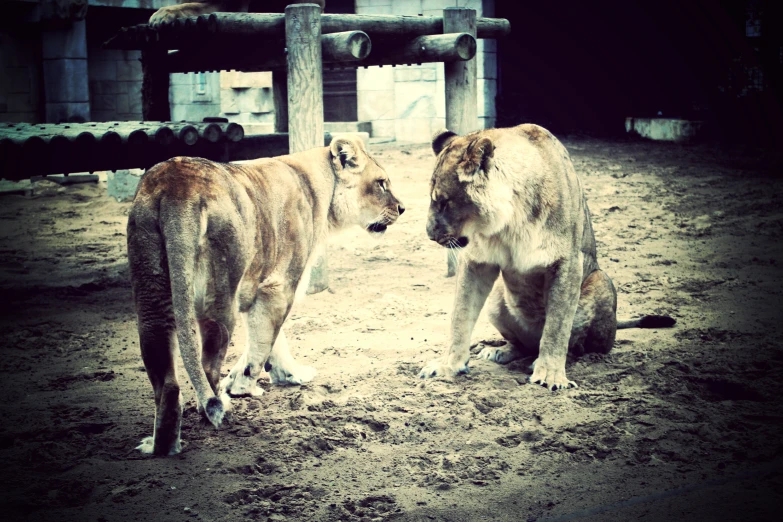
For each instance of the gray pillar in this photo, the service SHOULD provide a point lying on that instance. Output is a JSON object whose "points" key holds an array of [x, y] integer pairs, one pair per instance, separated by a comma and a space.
{"points": [[66, 90]]}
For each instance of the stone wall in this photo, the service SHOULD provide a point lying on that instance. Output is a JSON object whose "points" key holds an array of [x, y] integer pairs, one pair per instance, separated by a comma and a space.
{"points": [[408, 103], [115, 84], [20, 75]]}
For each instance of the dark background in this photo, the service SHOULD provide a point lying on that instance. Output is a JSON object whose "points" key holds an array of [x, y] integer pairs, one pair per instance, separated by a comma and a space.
{"points": [[585, 66]]}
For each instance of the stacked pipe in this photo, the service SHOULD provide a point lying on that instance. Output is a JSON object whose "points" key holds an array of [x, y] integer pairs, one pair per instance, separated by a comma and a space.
{"points": [[35, 149]]}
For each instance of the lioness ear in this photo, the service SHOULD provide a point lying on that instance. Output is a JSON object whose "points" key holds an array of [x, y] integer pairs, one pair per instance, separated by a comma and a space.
{"points": [[348, 154], [441, 139], [481, 153], [478, 161]]}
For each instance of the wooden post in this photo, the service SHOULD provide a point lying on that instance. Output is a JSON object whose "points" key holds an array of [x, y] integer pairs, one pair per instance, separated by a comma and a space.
{"points": [[305, 96], [461, 97], [155, 86]]}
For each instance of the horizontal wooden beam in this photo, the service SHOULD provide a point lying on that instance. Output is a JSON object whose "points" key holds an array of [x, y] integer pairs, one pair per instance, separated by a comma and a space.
{"points": [[257, 29], [345, 47], [423, 49]]}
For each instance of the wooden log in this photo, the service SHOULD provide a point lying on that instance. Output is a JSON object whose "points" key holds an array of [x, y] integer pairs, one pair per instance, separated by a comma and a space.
{"points": [[280, 93], [260, 28], [423, 49], [461, 91], [344, 47], [210, 132], [271, 25], [155, 86], [305, 97]]}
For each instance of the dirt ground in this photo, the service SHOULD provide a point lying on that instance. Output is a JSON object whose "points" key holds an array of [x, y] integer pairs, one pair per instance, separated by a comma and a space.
{"points": [[681, 423]]}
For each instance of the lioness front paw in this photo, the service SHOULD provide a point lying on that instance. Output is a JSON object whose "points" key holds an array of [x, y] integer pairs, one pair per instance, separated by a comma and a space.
{"points": [[500, 354], [442, 368], [239, 382], [296, 375], [550, 375]]}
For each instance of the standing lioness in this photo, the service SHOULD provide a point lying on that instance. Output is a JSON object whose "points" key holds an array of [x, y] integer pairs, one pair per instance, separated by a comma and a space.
{"points": [[208, 240], [512, 200]]}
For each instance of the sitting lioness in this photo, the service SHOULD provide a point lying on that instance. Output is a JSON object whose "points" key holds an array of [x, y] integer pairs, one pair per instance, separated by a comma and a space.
{"points": [[200, 7], [511, 200], [207, 240]]}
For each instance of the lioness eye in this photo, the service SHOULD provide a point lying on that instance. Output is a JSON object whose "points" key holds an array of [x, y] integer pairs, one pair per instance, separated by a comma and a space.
{"points": [[382, 184]]}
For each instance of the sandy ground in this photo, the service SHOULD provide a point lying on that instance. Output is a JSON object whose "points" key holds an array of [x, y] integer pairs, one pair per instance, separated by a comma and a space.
{"points": [[682, 423]]}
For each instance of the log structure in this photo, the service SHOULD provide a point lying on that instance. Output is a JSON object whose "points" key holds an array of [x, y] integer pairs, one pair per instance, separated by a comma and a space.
{"points": [[254, 28], [28, 150], [295, 46]]}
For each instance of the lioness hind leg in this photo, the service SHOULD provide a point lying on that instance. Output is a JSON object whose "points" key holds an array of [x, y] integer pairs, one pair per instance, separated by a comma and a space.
{"points": [[157, 350], [595, 322], [282, 367]]}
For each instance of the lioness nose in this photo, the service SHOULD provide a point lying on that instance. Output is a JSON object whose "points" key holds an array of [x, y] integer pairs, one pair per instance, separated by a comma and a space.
{"points": [[400, 209]]}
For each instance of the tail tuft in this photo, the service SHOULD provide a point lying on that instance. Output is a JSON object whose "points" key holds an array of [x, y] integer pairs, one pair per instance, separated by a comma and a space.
{"points": [[656, 321], [648, 321], [216, 409]]}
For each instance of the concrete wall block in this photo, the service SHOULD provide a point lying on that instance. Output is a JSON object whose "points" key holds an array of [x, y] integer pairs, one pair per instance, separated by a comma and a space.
{"points": [[487, 123], [375, 9], [372, 3], [102, 70], [104, 102], [486, 45], [375, 105], [407, 7], [414, 100], [122, 184], [103, 115], [436, 124], [61, 112], [432, 5], [98, 54], [104, 87], [383, 129], [18, 79], [181, 78], [128, 70], [69, 42], [414, 130], [487, 91], [237, 79], [375, 78], [22, 102], [407, 74], [134, 97], [65, 80], [122, 103], [440, 99], [487, 65]]}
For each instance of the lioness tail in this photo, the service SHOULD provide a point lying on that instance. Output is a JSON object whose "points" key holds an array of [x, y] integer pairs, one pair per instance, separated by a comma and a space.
{"points": [[182, 226], [648, 321]]}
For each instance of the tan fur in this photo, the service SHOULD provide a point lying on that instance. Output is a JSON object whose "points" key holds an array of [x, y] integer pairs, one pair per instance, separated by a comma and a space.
{"points": [[208, 241], [512, 199], [199, 7]]}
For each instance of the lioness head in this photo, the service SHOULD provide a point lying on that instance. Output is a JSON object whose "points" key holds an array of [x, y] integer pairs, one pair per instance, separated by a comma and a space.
{"points": [[461, 189], [363, 195]]}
